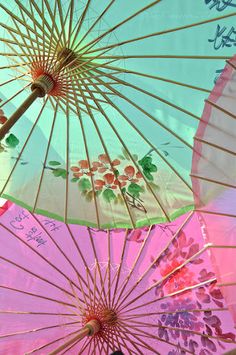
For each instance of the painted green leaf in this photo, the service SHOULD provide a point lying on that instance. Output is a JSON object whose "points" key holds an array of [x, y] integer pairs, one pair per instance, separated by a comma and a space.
{"points": [[121, 157], [135, 189], [84, 184], [12, 141], [108, 195], [116, 173], [74, 179], [54, 163], [123, 190], [126, 154], [153, 186], [89, 196], [98, 192], [152, 168], [60, 173], [148, 175]]}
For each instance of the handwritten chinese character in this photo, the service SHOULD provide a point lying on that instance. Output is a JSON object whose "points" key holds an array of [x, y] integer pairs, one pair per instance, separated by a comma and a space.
{"points": [[224, 37], [218, 73], [220, 5], [16, 223], [51, 224], [34, 234]]}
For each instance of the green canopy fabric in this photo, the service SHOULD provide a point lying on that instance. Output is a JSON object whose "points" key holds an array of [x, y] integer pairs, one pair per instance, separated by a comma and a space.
{"points": [[111, 145]]}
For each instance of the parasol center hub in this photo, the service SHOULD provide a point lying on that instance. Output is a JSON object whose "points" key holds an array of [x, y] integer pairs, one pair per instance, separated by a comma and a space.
{"points": [[66, 57], [44, 84], [109, 317]]}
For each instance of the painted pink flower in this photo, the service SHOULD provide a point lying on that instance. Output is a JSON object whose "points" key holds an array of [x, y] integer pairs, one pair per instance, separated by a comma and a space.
{"points": [[82, 169], [179, 279], [3, 118], [104, 165], [130, 175], [109, 181]]}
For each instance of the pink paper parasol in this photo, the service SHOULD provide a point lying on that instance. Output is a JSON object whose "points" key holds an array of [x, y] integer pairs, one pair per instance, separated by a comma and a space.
{"points": [[76, 290], [214, 176]]}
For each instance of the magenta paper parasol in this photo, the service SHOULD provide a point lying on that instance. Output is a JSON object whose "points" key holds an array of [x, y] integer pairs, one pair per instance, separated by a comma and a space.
{"points": [[214, 178], [66, 289]]}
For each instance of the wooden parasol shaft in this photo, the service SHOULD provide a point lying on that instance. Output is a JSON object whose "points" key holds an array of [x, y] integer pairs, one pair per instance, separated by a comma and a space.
{"points": [[92, 327], [79, 336], [19, 112]]}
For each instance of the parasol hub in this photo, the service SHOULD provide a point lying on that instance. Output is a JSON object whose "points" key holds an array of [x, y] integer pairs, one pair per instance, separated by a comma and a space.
{"points": [[100, 320], [94, 326], [44, 84], [66, 57]]}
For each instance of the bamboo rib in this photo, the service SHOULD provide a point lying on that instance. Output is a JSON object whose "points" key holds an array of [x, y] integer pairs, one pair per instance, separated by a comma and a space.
{"points": [[185, 330], [37, 276], [199, 310], [104, 146], [120, 265], [146, 345], [189, 288], [95, 22], [127, 71], [151, 336], [164, 56], [9, 41], [213, 181], [22, 64], [215, 146], [38, 296], [21, 34], [178, 108], [155, 34], [228, 113], [34, 20], [38, 313], [52, 17], [41, 14], [67, 44], [86, 343], [80, 254], [50, 343], [80, 22], [133, 266], [96, 40], [3, 103], [58, 247], [67, 165], [139, 108], [89, 161], [36, 330], [29, 55], [135, 344], [40, 255], [60, 11], [159, 282], [79, 336], [162, 252], [45, 160]]}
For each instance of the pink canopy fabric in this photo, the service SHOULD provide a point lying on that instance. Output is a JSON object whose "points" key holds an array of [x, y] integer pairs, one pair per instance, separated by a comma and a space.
{"points": [[158, 282], [214, 178]]}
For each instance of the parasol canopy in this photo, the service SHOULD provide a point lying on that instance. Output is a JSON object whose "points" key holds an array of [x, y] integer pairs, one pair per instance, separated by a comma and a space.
{"points": [[117, 90], [214, 176], [67, 288]]}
